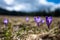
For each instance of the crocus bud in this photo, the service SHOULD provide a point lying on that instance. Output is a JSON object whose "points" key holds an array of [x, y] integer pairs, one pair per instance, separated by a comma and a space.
{"points": [[27, 19]]}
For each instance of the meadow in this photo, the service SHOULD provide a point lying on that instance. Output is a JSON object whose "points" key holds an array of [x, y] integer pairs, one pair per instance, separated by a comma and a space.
{"points": [[18, 29]]}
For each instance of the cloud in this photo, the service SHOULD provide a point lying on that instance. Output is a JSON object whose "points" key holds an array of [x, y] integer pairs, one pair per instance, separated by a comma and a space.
{"points": [[51, 5], [29, 5], [22, 7], [45, 2], [9, 2]]}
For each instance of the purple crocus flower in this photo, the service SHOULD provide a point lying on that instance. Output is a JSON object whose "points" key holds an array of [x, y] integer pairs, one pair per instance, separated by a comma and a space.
{"points": [[5, 21], [37, 20], [48, 20], [27, 19]]}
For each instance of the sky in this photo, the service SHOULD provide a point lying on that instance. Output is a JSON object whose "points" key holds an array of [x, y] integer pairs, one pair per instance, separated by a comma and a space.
{"points": [[30, 5]]}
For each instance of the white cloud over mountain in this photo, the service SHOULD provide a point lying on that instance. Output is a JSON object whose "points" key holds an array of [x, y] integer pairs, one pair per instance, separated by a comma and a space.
{"points": [[29, 5]]}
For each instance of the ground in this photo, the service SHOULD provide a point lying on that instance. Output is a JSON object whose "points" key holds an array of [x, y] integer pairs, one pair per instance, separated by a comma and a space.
{"points": [[19, 29]]}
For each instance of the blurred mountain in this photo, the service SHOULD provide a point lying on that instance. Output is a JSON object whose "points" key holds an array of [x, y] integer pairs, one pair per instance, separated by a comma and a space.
{"points": [[40, 13]]}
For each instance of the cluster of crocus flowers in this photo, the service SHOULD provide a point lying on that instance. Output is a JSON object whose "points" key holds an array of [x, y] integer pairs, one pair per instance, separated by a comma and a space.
{"points": [[38, 20], [48, 20]]}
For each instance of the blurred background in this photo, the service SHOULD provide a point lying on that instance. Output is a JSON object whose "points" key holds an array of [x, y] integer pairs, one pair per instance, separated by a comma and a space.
{"points": [[30, 7]]}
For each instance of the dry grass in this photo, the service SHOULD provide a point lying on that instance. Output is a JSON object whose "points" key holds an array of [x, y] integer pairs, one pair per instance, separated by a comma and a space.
{"points": [[18, 28]]}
